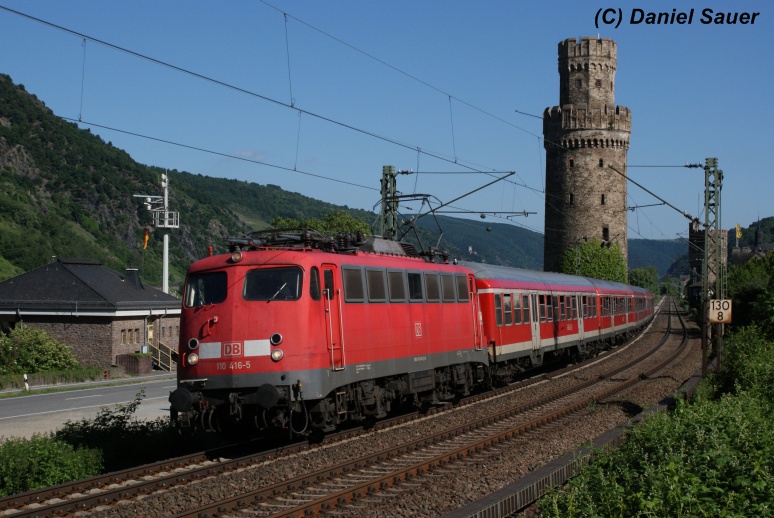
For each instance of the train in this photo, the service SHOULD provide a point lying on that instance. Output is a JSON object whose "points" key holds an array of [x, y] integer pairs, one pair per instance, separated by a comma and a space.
{"points": [[300, 333]]}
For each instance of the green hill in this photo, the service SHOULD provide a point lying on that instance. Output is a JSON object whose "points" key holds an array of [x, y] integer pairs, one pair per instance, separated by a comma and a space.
{"points": [[65, 192]]}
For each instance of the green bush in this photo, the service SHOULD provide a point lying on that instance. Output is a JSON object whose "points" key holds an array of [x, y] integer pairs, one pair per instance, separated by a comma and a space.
{"points": [[31, 350], [748, 364], [123, 440], [714, 459], [27, 464]]}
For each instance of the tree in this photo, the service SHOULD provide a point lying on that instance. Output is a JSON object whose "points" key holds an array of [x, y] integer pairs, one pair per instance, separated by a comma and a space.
{"points": [[750, 286], [333, 222], [646, 277], [593, 259]]}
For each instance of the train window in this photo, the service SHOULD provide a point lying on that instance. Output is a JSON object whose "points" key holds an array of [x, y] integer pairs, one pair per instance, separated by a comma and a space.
{"points": [[574, 307], [416, 293], [376, 289], [507, 309], [396, 286], [353, 285], [525, 307], [561, 315], [551, 303], [542, 305], [314, 283], [447, 288], [205, 288], [273, 284], [517, 309], [433, 287], [498, 309], [462, 288]]}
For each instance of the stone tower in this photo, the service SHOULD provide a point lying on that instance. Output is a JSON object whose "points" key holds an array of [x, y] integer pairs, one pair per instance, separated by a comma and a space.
{"points": [[585, 134]]}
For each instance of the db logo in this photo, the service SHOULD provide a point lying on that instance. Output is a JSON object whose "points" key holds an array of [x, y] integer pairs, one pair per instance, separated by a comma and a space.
{"points": [[417, 329], [232, 349]]}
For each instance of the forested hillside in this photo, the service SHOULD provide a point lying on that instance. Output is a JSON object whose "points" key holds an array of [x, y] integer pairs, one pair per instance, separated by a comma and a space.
{"points": [[65, 192]]}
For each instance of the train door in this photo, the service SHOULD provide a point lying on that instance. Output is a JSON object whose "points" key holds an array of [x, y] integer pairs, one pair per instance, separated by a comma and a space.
{"points": [[477, 320], [334, 330], [579, 314], [535, 322]]}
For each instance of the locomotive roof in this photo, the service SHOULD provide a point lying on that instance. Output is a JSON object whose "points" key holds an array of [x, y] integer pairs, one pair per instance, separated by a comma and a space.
{"points": [[533, 277]]}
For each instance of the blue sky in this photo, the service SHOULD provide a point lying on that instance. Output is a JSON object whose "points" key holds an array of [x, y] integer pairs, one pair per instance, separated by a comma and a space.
{"points": [[329, 92]]}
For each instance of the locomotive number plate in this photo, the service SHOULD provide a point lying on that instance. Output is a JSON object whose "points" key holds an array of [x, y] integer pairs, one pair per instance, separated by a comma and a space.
{"points": [[232, 366]]}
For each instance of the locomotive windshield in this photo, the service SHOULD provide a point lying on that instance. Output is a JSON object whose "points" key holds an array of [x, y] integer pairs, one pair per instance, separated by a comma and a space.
{"points": [[205, 288], [273, 284]]}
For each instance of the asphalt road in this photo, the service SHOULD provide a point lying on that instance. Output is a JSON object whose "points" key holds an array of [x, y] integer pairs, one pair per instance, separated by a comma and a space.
{"points": [[39, 413]]}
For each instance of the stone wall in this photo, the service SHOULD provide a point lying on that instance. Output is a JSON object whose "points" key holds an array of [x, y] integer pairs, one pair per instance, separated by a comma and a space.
{"points": [[97, 341], [88, 337]]}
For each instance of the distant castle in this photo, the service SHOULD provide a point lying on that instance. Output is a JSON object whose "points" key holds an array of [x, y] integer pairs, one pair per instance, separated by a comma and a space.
{"points": [[585, 137]]}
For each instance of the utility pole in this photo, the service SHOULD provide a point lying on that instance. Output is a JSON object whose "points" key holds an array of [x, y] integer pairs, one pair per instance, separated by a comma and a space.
{"points": [[158, 205], [714, 267]]}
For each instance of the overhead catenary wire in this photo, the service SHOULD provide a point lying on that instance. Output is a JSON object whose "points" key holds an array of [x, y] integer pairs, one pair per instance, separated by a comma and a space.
{"points": [[245, 91], [292, 105]]}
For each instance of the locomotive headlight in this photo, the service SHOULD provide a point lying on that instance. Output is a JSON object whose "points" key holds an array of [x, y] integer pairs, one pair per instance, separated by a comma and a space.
{"points": [[236, 256], [193, 343], [193, 359], [275, 339], [277, 355]]}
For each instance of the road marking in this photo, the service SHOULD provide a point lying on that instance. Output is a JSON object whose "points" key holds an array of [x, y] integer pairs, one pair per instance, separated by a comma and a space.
{"points": [[83, 397], [78, 408]]}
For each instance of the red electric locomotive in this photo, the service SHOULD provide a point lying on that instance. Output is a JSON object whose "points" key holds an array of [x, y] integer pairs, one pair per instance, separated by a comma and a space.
{"points": [[300, 332], [288, 335]]}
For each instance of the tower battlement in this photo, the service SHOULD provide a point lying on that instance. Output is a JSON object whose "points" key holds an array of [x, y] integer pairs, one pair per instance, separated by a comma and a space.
{"points": [[584, 116], [587, 47]]}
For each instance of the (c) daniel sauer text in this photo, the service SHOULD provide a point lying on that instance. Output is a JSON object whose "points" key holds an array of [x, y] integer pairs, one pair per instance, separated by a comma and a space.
{"points": [[611, 16]]}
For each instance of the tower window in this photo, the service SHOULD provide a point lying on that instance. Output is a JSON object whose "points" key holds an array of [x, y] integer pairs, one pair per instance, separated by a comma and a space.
{"points": [[605, 234], [572, 198], [603, 199], [571, 163], [599, 83], [578, 83], [601, 163]]}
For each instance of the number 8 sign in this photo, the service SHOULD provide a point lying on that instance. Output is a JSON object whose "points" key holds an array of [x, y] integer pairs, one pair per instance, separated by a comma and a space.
{"points": [[720, 311]]}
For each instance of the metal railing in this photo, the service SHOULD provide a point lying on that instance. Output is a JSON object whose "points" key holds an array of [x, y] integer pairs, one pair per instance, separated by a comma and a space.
{"points": [[164, 357]]}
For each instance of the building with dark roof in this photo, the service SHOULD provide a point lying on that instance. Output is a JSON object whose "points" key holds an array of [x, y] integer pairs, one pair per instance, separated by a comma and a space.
{"points": [[97, 312]]}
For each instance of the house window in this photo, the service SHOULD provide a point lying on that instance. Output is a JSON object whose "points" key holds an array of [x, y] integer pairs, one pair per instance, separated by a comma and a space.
{"points": [[137, 336], [123, 336]]}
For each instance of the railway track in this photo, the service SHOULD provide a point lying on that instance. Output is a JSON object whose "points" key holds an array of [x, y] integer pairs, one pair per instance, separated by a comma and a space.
{"points": [[361, 478], [324, 489]]}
